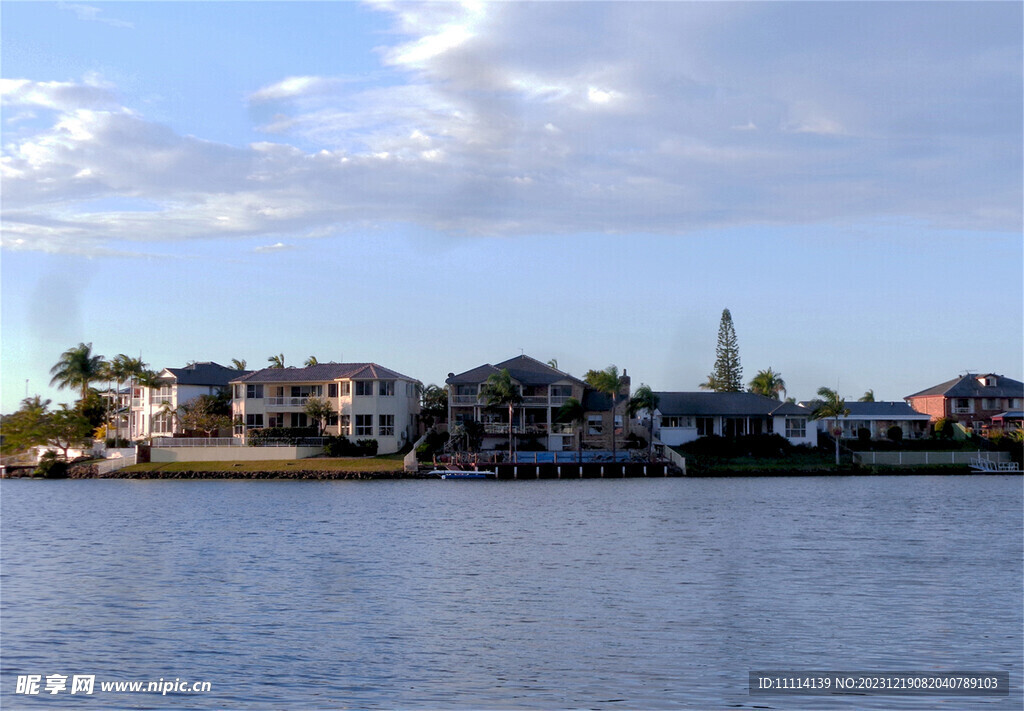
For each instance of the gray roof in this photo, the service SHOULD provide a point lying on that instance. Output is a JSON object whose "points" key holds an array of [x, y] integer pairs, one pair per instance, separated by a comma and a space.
{"points": [[523, 369], [206, 373], [323, 372], [881, 410], [730, 404], [968, 386]]}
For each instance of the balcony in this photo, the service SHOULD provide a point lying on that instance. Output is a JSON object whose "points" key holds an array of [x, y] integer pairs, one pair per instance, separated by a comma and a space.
{"points": [[286, 401], [161, 399], [465, 400]]}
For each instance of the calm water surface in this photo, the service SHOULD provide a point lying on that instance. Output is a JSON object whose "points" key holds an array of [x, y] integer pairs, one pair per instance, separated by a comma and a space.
{"points": [[597, 594]]}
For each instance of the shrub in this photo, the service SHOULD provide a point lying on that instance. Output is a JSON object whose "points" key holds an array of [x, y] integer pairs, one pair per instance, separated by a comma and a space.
{"points": [[763, 446], [944, 427], [293, 435], [344, 447], [433, 443], [117, 443], [863, 435], [895, 433], [50, 467]]}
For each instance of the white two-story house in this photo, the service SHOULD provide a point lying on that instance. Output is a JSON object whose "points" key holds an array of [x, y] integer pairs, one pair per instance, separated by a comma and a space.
{"points": [[154, 411], [369, 401]]}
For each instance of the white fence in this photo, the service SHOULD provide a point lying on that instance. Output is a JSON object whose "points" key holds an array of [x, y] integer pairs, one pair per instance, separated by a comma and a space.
{"points": [[112, 465], [177, 442], [916, 459]]}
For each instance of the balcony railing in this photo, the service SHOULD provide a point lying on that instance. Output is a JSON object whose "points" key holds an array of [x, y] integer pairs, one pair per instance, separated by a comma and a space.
{"points": [[553, 400], [286, 401], [466, 400], [161, 399]]}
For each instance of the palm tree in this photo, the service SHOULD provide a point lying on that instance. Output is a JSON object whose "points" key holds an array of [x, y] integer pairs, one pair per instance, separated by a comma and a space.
{"points": [[710, 384], [645, 399], [148, 379], [119, 369], [553, 363], [868, 396], [768, 383], [501, 391], [238, 364], [831, 406], [276, 361], [311, 361], [77, 368], [573, 412], [609, 382]]}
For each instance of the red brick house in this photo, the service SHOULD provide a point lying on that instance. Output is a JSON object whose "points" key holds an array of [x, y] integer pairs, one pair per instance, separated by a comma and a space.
{"points": [[971, 399]]}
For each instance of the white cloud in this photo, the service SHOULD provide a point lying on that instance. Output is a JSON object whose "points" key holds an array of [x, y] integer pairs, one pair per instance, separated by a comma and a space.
{"points": [[90, 13], [559, 117], [278, 247]]}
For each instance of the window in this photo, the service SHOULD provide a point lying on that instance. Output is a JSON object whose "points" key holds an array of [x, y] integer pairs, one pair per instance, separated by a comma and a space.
{"points": [[387, 388], [276, 421], [239, 392], [252, 421], [990, 403], [253, 391], [364, 388], [705, 426], [386, 425], [299, 419], [961, 405], [410, 390], [677, 421], [618, 424], [595, 424], [1013, 403], [346, 425], [307, 390], [796, 426], [163, 422], [332, 390], [346, 389], [364, 425], [332, 420]]}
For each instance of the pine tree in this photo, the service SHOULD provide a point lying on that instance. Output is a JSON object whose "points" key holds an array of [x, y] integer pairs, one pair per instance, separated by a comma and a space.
{"points": [[727, 377]]}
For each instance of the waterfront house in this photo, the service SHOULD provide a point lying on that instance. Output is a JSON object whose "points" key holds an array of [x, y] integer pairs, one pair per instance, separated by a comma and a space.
{"points": [[535, 420], [682, 417], [154, 410], [877, 418], [369, 401], [971, 399]]}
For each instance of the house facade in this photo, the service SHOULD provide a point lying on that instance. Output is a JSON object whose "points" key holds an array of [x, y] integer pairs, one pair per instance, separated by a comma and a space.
{"points": [[972, 399], [154, 410], [683, 417], [369, 401], [877, 418], [544, 390]]}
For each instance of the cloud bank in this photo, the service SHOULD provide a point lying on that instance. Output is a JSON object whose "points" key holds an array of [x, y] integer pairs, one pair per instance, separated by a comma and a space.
{"points": [[526, 118]]}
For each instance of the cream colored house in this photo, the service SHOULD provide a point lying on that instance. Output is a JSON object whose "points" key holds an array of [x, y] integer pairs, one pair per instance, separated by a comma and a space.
{"points": [[369, 401], [154, 411]]}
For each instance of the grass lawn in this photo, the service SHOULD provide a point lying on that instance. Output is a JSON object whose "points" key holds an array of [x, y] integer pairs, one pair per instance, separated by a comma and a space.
{"points": [[384, 463]]}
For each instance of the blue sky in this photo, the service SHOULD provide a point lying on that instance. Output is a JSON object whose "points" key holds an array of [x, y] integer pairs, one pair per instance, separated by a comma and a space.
{"points": [[434, 186]]}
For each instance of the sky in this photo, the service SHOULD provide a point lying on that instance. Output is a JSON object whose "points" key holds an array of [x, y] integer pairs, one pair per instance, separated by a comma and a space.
{"points": [[434, 186]]}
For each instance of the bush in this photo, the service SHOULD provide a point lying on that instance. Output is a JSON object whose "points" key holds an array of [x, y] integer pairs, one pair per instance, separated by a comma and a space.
{"points": [[895, 433], [764, 446], [50, 467], [293, 435], [531, 445], [343, 447], [117, 443], [863, 435], [944, 427], [433, 443], [635, 441]]}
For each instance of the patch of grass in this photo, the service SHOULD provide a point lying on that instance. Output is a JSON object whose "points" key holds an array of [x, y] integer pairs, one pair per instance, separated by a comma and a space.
{"points": [[384, 463]]}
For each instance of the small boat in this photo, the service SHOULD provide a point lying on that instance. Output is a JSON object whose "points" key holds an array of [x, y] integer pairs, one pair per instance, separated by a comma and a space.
{"points": [[986, 466], [465, 474]]}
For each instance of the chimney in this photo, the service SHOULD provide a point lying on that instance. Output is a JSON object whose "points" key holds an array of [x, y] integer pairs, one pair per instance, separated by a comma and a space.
{"points": [[625, 384]]}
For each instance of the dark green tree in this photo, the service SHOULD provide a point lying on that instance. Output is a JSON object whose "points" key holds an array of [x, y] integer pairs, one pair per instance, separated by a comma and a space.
{"points": [[433, 403], [645, 399], [573, 413], [319, 409], [78, 368], [768, 383], [831, 406], [727, 376], [501, 391], [609, 382]]}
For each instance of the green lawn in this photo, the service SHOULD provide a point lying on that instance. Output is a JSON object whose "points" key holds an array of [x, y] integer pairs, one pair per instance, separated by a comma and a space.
{"points": [[384, 463]]}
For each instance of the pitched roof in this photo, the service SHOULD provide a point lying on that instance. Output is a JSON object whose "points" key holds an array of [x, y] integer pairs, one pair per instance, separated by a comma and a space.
{"points": [[323, 372], [729, 404], [523, 369], [968, 385], [880, 410], [205, 373]]}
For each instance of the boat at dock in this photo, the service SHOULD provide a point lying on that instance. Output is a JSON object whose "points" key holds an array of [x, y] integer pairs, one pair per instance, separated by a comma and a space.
{"points": [[463, 474]]}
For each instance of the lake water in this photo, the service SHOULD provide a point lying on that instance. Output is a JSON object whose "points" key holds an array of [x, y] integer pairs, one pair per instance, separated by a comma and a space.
{"points": [[595, 594]]}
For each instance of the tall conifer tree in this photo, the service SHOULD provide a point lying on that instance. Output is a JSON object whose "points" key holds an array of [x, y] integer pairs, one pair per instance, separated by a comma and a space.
{"points": [[727, 377]]}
